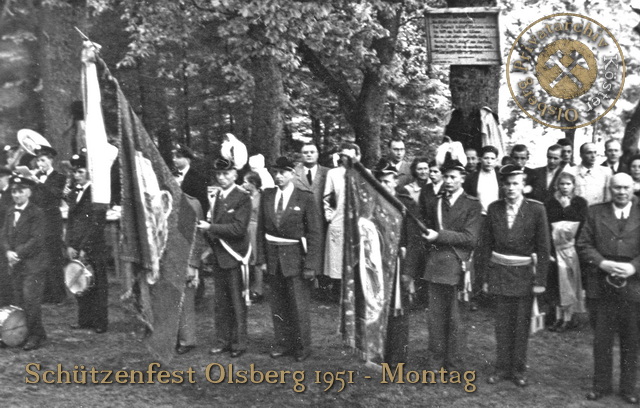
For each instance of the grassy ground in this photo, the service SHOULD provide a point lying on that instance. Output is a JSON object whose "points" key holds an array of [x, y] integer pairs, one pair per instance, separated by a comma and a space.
{"points": [[560, 367]]}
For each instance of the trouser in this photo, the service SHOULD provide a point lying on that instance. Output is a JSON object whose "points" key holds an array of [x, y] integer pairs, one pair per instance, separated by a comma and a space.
{"points": [[93, 305], [446, 331], [28, 287], [187, 328], [614, 315], [230, 310], [6, 289], [513, 321], [289, 298], [54, 287]]}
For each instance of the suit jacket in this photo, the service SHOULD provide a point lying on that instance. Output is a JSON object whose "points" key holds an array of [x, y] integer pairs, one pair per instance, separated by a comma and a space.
{"points": [[317, 188], [300, 219], [195, 185], [528, 235], [622, 167], [26, 238], [541, 191], [86, 224], [48, 196], [455, 242], [601, 239], [404, 173], [6, 202], [230, 222]]}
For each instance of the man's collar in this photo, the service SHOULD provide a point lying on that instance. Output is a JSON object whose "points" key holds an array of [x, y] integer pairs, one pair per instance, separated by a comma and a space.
{"points": [[21, 207], [313, 167], [287, 189], [226, 192], [517, 203]]}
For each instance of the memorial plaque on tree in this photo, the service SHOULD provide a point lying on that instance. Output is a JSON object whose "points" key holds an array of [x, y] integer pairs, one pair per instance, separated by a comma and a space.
{"points": [[463, 36]]}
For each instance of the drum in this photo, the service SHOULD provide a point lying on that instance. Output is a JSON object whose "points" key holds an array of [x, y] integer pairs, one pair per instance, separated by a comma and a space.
{"points": [[13, 326], [78, 277]]}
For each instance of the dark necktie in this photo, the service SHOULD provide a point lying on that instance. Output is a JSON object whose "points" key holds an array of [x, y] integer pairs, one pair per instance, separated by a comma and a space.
{"points": [[309, 178], [279, 209], [613, 168], [447, 203]]}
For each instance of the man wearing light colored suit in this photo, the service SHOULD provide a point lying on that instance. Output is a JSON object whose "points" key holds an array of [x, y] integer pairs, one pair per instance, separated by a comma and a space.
{"points": [[289, 243]]}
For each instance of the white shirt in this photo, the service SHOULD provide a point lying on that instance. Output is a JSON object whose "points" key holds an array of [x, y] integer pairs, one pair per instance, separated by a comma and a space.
{"points": [[592, 184], [18, 213], [46, 174], [180, 177], [622, 212], [452, 200], [285, 194], [81, 192], [225, 193], [488, 189], [550, 175]]}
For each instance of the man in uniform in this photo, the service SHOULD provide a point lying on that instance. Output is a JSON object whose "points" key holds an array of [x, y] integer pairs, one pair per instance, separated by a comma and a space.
{"points": [[86, 242], [23, 243], [609, 251], [6, 202], [514, 230], [227, 235], [289, 242], [48, 196]]}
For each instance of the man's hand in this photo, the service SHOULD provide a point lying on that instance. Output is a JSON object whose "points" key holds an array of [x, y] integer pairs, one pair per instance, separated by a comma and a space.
{"points": [[403, 253], [263, 267], [407, 283], [538, 290], [430, 236], [203, 225], [72, 253], [607, 266], [12, 257], [309, 274], [623, 269]]}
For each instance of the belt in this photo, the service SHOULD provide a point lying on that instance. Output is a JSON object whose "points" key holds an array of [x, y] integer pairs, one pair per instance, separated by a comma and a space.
{"points": [[280, 241], [510, 260]]}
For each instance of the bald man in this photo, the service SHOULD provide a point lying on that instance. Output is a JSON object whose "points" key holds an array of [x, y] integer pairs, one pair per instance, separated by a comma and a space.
{"points": [[609, 251]]}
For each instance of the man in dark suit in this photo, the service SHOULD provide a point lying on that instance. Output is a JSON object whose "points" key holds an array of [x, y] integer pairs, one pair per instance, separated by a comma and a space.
{"points": [[23, 243], [48, 196], [396, 156], [453, 221], [609, 251], [514, 229], [485, 183], [229, 241], [613, 151], [544, 178], [289, 241], [6, 202], [190, 180], [520, 155], [86, 242]]}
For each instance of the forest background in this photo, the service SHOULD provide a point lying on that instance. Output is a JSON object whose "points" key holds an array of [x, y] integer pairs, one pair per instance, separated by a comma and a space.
{"points": [[276, 72]]}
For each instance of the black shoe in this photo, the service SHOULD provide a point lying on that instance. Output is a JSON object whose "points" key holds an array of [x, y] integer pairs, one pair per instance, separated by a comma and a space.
{"points": [[278, 352], [596, 395], [520, 380], [219, 349], [256, 297], [100, 330], [556, 326], [302, 355], [498, 376], [630, 398], [237, 353], [184, 349], [76, 326], [33, 343]]}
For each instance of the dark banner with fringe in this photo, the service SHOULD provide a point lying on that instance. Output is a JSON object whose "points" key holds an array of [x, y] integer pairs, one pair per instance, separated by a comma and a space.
{"points": [[373, 227]]}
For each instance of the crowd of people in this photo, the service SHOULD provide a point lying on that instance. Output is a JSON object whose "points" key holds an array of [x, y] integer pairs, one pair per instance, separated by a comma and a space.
{"points": [[565, 234]]}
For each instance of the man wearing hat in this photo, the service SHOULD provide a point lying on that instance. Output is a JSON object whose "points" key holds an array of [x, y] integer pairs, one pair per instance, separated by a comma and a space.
{"points": [[86, 242], [453, 220], [23, 243], [289, 243], [514, 256], [48, 195], [229, 241], [6, 202], [191, 182]]}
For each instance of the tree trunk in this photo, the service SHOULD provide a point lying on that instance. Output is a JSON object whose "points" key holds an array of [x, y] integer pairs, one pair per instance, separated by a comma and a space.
{"points": [[268, 102], [60, 49], [154, 106]]}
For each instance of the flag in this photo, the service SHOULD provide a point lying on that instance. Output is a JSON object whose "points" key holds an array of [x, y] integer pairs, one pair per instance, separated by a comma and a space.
{"points": [[373, 228], [100, 154], [159, 235]]}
